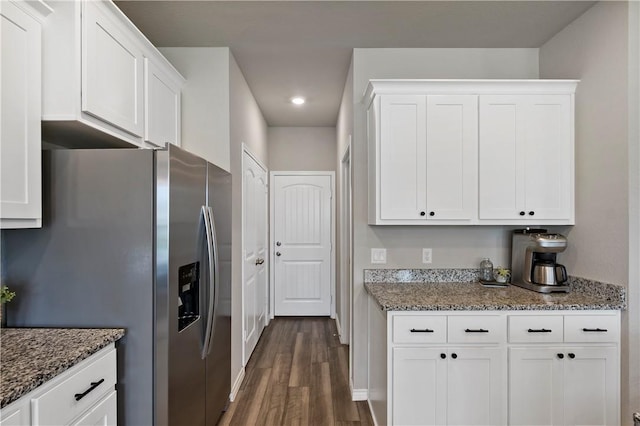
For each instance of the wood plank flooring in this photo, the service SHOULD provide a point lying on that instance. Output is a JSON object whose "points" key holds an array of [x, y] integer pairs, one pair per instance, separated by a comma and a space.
{"points": [[297, 375]]}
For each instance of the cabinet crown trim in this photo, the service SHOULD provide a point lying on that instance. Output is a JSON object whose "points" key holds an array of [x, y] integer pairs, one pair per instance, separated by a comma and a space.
{"points": [[467, 87]]}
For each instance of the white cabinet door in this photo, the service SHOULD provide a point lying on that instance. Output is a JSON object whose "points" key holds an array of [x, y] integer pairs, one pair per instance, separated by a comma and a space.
{"points": [[402, 155], [162, 106], [452, 139], [104, 413], [547, 156], [591, 386], [419, 386], [525, 157], [20, 93], [535, 386], [476, 386], [112, 70]]}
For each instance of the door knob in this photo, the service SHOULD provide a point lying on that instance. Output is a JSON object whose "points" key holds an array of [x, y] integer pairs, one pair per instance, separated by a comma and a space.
{"points": [[278, 243], [259, 261], [278, 253]]}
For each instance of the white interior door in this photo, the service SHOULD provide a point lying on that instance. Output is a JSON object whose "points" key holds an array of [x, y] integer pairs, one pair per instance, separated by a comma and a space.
{"points": [[302, 238], [254, 252]]}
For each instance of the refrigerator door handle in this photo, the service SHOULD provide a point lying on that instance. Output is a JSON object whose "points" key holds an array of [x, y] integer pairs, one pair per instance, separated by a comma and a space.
{"points": [[214, 282], [208, 280]]}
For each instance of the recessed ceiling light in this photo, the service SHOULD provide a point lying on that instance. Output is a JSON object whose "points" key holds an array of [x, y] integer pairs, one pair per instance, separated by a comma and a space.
{"points": [[297, 100]]}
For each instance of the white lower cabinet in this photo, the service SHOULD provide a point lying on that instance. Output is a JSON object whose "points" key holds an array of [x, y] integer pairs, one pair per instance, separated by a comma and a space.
{"points": [[563, 385], [496, 368], [85, 394], [448, 385]]}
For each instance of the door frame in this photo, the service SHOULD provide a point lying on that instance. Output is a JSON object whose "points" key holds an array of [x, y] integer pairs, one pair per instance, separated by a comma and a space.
{"points": [[272, 240], [346, 245], [246, 151]]}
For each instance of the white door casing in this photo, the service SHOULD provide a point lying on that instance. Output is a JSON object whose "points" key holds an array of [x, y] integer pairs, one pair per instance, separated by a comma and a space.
{"points": [[302, 242], [254, 252], [346, 242]]}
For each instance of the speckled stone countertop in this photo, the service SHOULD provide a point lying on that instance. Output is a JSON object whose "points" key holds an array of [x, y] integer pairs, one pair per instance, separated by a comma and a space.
{"points": [[454, 296], [31, 356]]}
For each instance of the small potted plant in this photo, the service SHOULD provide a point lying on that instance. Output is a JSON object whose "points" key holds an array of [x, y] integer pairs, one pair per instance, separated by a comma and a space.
{"points": [[6, 296], [502, 274]]}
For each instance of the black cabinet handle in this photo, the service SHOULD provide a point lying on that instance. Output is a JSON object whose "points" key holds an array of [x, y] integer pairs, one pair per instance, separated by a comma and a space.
{"points": [[454, 355], [423, 213], [443, 356], [572, 356], [595, 330], [432, 213], [531, 213], [538, 330], [521, 213], [426, 330], [560, 356], [480, 330], [94, 385]]}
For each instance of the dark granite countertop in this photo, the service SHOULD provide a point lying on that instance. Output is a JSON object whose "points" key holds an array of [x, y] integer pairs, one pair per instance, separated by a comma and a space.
{"points": [[31, 356], [475, 297], [458, 290]]}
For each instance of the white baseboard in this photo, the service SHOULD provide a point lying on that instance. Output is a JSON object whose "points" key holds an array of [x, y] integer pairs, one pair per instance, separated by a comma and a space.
{"points": [[373, 415], [236, 385], [358, 394]]}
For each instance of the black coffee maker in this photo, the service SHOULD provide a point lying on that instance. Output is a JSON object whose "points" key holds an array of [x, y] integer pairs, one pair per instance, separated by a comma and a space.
{"points": [[533, 261]]}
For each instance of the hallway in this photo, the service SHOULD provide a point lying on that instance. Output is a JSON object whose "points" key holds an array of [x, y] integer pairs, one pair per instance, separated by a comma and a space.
{"points": [[298, 375]]}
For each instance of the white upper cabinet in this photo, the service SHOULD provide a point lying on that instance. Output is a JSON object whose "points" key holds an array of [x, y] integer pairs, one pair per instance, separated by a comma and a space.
{"points": [[402, 158], [112, 70], [452, 145], [101, 81], [162, 103], [526, 157], [471, 152], [20, 136]]}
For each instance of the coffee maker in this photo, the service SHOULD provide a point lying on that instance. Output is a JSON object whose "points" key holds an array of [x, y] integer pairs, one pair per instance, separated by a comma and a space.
{"points": [[533, 261]]}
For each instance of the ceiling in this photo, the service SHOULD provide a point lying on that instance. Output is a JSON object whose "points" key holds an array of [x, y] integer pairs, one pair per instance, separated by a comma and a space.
{"points": [[288, 48]]}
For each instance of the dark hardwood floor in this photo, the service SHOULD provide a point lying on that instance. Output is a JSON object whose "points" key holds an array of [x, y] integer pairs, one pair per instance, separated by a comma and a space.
{"points": [[297, 375]]}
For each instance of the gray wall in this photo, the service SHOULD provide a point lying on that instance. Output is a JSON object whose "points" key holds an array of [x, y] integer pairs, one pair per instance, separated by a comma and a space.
{"points": [[302, 148], [249, 127], [460, 246], [594, 48]]}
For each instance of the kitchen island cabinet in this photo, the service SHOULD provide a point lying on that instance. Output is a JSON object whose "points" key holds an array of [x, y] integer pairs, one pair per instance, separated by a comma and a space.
{"points": [[468, 358], [58, 376]]}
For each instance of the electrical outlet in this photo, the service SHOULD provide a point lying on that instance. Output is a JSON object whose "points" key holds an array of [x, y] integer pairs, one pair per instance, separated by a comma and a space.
{"points": [[427, 255], [378, 255]]}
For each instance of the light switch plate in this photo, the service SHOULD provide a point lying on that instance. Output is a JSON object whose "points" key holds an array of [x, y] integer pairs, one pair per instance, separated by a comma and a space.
{"points": [[378, 255], [427, 255]]}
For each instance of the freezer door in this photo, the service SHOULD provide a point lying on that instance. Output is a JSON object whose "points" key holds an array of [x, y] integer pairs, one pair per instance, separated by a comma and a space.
{"points": [[218, 369], [181, 270]]}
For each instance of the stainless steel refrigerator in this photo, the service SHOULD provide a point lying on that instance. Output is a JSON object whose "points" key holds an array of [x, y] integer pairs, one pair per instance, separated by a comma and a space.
{"points": [[139, 239]]}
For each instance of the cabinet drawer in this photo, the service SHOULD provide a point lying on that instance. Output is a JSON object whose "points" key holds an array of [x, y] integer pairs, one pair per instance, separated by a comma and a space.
{"points": [[419, 329], [591, 328], [477, 329], [59, 406], [535, 329]]}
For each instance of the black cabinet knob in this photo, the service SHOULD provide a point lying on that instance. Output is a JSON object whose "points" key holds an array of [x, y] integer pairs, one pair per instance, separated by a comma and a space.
{"points": [[443, 356], [572, 356], [560, 356], [422, 213], [432, 213], [531, 213], [521, 213], [454, 355]]}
